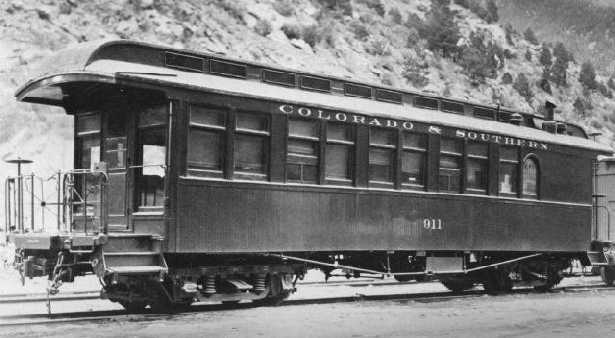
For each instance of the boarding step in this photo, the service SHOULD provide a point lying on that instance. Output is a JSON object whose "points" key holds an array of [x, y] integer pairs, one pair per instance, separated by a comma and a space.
{"points": [[137, 269], [132, 242], [132, 258], [597, 258]]}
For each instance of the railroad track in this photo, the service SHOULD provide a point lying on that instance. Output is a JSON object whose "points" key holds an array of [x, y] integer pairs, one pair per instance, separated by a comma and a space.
{"points": [[95, 294], [119, 315]]}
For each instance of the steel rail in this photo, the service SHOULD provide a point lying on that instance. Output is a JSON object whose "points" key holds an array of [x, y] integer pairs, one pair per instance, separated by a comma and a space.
{"points": [[106, 315]]}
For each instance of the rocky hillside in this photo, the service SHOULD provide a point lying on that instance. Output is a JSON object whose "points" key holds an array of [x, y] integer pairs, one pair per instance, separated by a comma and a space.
{"points": [[458, 49], [587, 27]]}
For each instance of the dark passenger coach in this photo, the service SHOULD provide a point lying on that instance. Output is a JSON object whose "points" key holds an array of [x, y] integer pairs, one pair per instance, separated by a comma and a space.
{"points": [[218, 179]]}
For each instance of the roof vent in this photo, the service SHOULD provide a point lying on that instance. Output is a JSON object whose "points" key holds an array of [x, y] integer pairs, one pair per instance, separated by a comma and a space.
{"points": [[388, 96], [227, 68], [451, 107], [504, 116], [426, 102], [516, 119], [356, 90], [183, 61], [281, 78], [315, 83], [484, 113]]}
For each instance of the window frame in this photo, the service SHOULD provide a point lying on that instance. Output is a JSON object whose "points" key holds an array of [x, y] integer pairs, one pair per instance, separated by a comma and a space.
{"points": [[265, 136], [314, 140], [221, 130], [482, 158], [533, 158], [138, 173], [516, 163], [351, 146], [416, 150], [460, 160], [393, 148], [80, 137]]}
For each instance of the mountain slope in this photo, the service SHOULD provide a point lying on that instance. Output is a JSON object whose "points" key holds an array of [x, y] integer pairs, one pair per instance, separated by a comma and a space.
{"points": [[377, 41]]}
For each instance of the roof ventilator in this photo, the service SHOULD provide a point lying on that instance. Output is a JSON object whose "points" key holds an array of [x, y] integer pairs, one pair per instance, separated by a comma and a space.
{"points": [[184, 62], [484, 113], [351, 89], [451, 107], [280, 78], [426, 102], [227, 68], [315, 83], [516, 119], [388, 96]]}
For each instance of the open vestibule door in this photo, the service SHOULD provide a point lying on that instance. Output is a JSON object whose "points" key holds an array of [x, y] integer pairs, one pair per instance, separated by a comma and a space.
{"points": [[132, 144]]}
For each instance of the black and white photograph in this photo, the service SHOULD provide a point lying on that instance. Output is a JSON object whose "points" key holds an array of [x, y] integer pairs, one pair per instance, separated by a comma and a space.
{"points": [[307, 168]]}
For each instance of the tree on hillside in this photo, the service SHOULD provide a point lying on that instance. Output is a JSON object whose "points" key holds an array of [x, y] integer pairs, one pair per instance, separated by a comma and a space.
{"points": [[507, 78], [462, 3], [481, 59], [509, 31], [528, 55], [522, 86], [492, 12], [545, 85], [560, 66], [440, 29], [587, 77], [546, 59], [581, 105], [530, 36]]}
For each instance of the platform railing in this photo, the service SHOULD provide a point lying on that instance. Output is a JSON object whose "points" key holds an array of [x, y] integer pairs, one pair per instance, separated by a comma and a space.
{"points": [[77, 191]]}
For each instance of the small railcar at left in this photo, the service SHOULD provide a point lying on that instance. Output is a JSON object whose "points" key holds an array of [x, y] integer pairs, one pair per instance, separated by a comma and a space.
{"points": [[202, 177]]}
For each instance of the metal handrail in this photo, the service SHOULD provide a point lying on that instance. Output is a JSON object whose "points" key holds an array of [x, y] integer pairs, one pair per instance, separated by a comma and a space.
{"points": [[65, 194]]}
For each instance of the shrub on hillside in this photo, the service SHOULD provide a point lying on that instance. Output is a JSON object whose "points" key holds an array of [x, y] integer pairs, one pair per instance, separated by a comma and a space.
{"points": [[492, 12], [545, 86], [509, 31], [413, 38], [560, 65], [509, 54], [530, 36], [462, 3], [311, 35], [481, 59], [522, 86], [284, 7], [545, 56], [395, 16], [440, 29], [581, 105], [587, 76], [507, 78], [374, 5], [528, 55], [378, 46], [477, 8], [413, 70], [360, 30], [343, 6], [291, 31], [233, 8], [611, 83], [262, 27], [604, 91]]}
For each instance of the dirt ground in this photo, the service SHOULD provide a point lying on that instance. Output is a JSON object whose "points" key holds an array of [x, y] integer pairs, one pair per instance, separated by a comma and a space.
{"points": [[529, 315]]}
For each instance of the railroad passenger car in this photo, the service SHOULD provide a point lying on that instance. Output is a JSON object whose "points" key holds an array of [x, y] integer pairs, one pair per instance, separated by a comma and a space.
{"points": [[199, 176]]}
